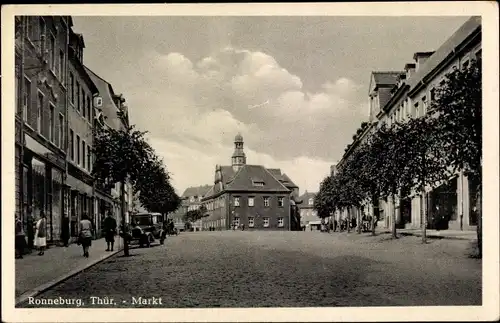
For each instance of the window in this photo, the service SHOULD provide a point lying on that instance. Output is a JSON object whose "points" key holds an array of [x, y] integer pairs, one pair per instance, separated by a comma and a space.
{"points": [[258, 183], [311, 201], [432, 95], [61, 66], [41, 30], [84, 104], [84, 157], [266, 222], [191, 199], [77, 96], [280, 222], [39, 116], [236, 201], [237, 221], [61, 131], [89, 158], [89, 113], [266, 201], [250, 201], [72, 87], [251, 222], [78, 149], [26, 98], [72, 144], [52, 52], [52, 123], [424, 105], [280, 201], [31, 29], [417, 110]]}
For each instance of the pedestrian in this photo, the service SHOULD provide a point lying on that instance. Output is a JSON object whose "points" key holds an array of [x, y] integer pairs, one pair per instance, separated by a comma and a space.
{"points": [[65, 231], [41, 234], [109, 226], [20, 242], [335, 224], [85, 234]]}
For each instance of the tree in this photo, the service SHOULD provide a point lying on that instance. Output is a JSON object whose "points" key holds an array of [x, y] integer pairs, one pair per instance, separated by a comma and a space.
{"points": [[392, 161], [425, 160], [195, 215], [122, 156], [458, 107], [156, 193]]}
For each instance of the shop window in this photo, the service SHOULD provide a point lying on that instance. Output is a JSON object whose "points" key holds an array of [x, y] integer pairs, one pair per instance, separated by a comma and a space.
{"points": [[39, 186]]}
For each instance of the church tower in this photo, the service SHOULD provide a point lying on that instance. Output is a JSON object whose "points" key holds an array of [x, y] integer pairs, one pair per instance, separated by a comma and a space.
{"points": [[238, 159]]}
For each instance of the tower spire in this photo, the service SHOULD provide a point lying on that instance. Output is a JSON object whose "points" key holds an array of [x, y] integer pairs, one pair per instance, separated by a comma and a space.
{"points": [[238, 159]]}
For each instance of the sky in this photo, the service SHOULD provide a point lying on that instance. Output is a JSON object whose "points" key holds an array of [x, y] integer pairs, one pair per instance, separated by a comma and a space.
{"points": [[295, 87]]}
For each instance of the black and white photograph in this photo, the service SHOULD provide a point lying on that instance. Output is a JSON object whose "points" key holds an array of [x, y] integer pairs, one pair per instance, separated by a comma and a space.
{"points": [[252, 162]]}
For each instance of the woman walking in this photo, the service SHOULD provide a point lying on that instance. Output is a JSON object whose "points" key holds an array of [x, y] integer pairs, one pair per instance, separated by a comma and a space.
{"points": [[85, 234], [41, 234]]}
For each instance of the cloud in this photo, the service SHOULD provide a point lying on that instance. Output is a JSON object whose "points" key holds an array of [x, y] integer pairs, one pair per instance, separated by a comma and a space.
{"points": [[191, 166], [194, 110]]}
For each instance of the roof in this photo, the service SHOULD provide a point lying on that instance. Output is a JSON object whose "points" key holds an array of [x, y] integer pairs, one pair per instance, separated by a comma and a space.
{"points": [[305, 198], [386, 77], [282, 177], [447, 48], [196, 191], [244, 178]]}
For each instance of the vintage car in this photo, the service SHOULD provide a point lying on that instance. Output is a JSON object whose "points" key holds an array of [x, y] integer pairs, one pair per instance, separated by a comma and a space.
{"points": [[146, 228]]}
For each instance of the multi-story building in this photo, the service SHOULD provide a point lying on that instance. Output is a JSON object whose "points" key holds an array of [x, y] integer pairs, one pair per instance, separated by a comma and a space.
{"points": [[252, 195], [41, 88], [111, 111], [401, 95], [308, 215], [53, 127], [80, 116], [191, 201]]}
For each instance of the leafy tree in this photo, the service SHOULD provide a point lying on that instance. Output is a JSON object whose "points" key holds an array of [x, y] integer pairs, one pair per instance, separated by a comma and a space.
{"points": [[458, 107], [125, 156], [156, 193], [195, 215], [392, 162], [425, 162]]}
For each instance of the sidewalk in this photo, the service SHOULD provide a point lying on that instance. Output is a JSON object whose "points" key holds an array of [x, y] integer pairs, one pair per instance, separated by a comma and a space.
{"points": [[443, 234], [35, 274]]}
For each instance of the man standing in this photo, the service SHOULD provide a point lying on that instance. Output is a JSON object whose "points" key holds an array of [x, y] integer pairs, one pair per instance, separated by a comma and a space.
{"points": [[109, 228]]}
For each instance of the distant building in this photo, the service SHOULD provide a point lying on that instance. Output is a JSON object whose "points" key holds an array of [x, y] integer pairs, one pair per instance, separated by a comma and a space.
{"points": [[308, 215], [251, 195]]}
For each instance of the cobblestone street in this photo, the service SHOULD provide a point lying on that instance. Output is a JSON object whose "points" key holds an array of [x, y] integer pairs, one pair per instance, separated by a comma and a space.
{"points": [[282, 269]]}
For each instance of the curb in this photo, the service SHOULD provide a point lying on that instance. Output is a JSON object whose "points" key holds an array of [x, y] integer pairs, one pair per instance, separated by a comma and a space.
{"points": [[42, 288], [433, 236]]}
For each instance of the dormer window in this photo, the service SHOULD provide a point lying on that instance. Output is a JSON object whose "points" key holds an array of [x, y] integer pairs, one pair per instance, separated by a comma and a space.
{"points": [[311, 201]]}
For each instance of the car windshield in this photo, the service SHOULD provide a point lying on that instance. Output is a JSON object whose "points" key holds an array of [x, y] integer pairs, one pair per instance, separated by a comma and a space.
{"points": [[142, 220]]}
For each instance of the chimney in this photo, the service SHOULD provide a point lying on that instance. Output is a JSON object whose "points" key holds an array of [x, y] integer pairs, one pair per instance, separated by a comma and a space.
{"points": [[420, 58], [410, 70], [333, 169]]}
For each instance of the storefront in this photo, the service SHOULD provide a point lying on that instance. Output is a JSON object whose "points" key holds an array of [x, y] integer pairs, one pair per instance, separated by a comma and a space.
{"points": [[42, 188], [81, 202]]}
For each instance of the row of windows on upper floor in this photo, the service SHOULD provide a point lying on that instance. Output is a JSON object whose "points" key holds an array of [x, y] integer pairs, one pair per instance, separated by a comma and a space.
{"points": [[51, 125], [55, 56], [419, 107], [237, 202]]}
